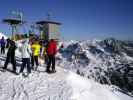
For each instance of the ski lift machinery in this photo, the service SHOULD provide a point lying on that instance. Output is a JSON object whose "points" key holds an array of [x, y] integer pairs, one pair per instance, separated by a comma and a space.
{"points": [[15, 21]]}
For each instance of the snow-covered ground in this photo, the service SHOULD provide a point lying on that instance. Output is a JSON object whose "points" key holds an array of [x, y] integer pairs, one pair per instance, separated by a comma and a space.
{"points": [[64, 84], [84, 89]]}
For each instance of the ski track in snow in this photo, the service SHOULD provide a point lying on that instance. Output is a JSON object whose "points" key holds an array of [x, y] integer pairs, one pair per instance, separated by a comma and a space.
{"points": [[37, 86]]}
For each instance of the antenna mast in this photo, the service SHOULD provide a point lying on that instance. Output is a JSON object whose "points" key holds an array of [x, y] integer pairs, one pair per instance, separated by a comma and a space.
{"points": [[18, 15], [49, 14]]}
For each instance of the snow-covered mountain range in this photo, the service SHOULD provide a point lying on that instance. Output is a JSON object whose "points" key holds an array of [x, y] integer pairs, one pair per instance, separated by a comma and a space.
{"points": [[108, 62]]}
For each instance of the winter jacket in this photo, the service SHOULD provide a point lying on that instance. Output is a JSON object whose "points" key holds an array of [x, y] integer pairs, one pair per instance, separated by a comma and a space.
{"points": [[11, 50], [35, 49], [26, 50], [51, 48], [2, 42], [7, 42]]}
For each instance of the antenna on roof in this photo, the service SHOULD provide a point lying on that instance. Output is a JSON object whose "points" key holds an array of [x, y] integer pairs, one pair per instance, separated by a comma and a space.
{"points": [[49, 14], [17, 14]]}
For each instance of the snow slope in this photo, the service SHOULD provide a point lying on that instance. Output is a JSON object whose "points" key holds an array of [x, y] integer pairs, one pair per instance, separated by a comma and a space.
{"points": [[38, 86], [84, 89], [63, 85]]}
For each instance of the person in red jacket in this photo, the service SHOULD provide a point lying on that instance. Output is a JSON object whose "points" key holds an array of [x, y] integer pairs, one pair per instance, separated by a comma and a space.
{"points": [[51, 52]]}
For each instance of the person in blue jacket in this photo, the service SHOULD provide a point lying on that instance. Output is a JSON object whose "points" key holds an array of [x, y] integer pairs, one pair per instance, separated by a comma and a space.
{"points": [[3, 43]]}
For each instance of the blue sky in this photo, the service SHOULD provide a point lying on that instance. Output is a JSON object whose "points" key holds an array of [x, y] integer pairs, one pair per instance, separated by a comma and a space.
{"points": [[81, 19]]}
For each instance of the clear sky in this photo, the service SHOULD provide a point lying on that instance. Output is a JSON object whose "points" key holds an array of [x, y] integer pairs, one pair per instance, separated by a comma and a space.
{"points": [[81, 19]]}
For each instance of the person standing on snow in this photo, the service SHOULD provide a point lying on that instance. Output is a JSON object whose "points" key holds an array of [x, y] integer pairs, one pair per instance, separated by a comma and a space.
{"points": [[2, 42], [51, 52], [26, 54], [11, 56], [35, 53]]}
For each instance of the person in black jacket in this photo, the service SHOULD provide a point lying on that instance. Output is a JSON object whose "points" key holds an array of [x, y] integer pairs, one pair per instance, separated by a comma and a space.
{"points": [[7, 43], [11, 56]]}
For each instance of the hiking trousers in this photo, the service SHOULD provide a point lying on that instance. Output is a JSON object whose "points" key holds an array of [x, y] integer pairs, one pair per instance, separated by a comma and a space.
{"points": [[2, 49], [34, 59], [10, 58], [25, 63], [51, 60]]}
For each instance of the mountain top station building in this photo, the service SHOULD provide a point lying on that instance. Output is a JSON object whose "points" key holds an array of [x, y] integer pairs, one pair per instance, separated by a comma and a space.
{"points": [[49, 30]]}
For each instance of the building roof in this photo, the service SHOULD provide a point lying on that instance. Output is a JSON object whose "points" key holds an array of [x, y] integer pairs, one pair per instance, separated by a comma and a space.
{"points": [[12, 21], [46, 22]]}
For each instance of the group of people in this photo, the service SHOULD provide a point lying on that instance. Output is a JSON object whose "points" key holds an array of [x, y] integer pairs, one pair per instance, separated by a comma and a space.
{"points": [[30, 52]]}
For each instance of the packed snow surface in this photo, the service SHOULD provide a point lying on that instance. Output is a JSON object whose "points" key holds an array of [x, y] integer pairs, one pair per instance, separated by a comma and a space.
{"points": [[84, 89], [62, 85]]}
